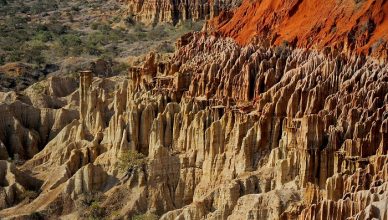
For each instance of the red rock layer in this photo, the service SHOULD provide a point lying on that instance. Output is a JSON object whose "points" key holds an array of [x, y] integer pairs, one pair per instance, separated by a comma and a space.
{"points": [[348, 24]]}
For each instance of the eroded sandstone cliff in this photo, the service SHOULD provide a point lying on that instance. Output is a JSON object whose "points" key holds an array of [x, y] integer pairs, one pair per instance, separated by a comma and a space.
{"points": [[229, 132], [151, 12]]}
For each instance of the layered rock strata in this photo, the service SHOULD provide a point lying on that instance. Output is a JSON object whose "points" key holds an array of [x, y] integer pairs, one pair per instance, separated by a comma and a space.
{"points": [[228, 132]]}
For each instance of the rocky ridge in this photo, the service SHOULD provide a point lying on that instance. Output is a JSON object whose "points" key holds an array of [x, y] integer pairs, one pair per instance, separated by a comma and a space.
{"points": [[229, 132]]}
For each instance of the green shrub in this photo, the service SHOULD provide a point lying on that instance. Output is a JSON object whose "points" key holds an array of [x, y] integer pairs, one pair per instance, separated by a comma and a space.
{"points": [[97, 38], [70, 40], [2, 60], [43, 36], [94, 26], [131, 159], [103, 27], [75, 8], [69, 44], [32, 52], [93, 50], [96, 211], [38, 88], [14, 56], [120, 68]]}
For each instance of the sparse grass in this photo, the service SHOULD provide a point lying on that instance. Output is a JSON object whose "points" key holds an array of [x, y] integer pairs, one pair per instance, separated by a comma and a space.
{"points": [[146, 216]]}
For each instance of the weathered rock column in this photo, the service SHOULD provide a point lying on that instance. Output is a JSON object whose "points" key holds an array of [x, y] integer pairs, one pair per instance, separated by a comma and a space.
{"points": [[85, 84]]}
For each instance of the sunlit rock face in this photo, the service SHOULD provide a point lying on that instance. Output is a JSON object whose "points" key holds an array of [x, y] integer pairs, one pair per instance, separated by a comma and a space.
{"points": [[151, 12], [229, 132]]}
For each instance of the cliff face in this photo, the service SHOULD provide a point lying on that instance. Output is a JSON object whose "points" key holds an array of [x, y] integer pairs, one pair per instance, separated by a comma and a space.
{"points": [[228, 132], [151, 12], [352, 26]]}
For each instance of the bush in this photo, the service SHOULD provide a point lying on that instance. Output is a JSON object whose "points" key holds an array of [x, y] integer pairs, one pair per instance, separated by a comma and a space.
{"points": [[32, 52], [131, 159], [165, 47], [93, 50], [105, 28], [29, 194], [75, 8], [120, 69], [38, 88], [70, 44], [158, 32], [88, 205], [57, 28], [43, 36], [97, 38], [2, 60], [94, 26], [74, 75], [96, 211], [130, 21]]}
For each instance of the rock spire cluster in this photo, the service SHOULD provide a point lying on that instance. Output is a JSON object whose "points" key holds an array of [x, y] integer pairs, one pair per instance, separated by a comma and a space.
{"points": [[228, 132]]}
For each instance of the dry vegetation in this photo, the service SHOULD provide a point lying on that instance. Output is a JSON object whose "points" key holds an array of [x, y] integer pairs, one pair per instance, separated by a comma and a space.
{"points": [[41, 32]]}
